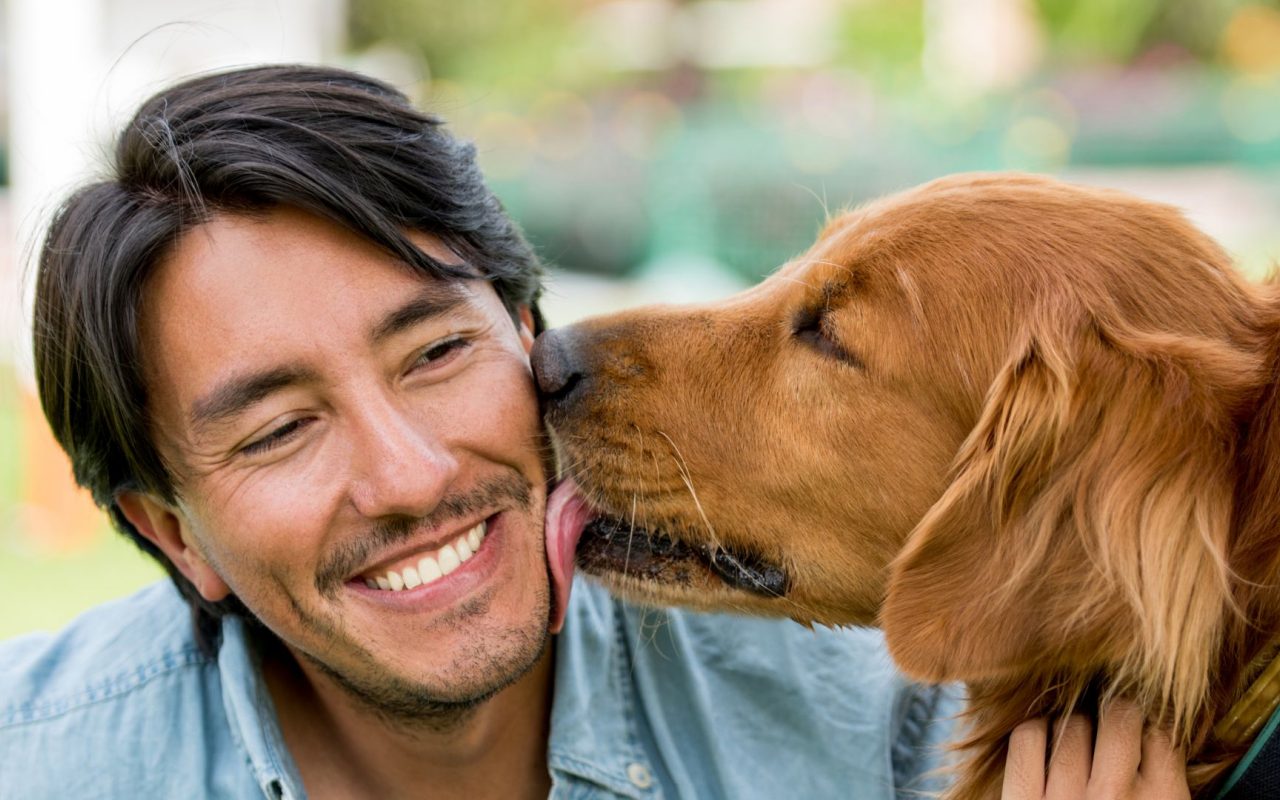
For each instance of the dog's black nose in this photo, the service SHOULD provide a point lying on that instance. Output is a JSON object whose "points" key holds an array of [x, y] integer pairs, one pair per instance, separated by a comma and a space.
{"points": [[555, 364]]}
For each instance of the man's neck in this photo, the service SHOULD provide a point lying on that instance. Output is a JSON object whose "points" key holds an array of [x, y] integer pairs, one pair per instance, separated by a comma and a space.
{"points": [[344, 750]]}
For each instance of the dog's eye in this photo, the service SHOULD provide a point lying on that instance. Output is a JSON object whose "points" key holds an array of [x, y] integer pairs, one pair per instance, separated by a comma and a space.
{"points": [[813, 328]]}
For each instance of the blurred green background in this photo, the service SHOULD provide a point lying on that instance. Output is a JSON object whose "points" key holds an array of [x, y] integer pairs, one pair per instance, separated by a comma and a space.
{"points": [[674, 150]]}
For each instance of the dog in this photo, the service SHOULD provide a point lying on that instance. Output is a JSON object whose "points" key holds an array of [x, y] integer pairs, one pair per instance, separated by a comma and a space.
{"points": [[1029, 429]]}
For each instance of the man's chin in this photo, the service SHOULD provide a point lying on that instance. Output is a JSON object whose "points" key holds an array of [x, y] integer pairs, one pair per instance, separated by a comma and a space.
{"points": [[406, 704], [422, 695]]}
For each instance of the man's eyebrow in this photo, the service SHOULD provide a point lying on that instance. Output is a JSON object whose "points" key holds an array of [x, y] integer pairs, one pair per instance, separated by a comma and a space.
{"points": [[235, 395], [434, 300]]}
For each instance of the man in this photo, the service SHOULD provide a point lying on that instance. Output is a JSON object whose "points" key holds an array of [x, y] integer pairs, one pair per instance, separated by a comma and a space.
{"points": [[285, 347]]}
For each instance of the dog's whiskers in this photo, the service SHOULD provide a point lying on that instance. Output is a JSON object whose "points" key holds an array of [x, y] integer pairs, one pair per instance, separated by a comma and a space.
{"points": [[638, 517], [631, 535], [683, 467]]}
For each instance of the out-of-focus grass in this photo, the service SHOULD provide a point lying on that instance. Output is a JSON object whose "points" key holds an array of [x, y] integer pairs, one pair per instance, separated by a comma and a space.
{"points": [[44, 590]]}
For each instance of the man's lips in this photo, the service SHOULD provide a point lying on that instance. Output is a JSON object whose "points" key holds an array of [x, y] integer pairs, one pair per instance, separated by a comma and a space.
{"points": [[390, 545], [448, 593], [425, 563]]}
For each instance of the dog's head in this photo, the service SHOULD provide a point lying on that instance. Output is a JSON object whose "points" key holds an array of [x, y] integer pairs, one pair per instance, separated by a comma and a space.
{"points": [[999, 415]]}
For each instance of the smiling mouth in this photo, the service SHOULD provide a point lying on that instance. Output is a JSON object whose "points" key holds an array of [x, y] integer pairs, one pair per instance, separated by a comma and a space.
{"points": [[425, 568], [611, 545]]}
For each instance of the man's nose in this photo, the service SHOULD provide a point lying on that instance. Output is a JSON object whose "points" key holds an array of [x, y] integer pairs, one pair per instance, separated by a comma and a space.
{"points": [[401, 466]]}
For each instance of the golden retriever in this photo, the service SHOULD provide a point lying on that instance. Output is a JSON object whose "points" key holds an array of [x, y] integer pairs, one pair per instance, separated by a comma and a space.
{"points": [[1029, 429]]}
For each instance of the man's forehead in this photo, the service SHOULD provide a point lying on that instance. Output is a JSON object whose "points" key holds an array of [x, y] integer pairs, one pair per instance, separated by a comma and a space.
{"points": [[246, 264]]}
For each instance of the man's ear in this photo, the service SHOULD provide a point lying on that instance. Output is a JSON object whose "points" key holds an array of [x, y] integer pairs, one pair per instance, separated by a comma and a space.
{"points": [[167, 529], [526, 328]]}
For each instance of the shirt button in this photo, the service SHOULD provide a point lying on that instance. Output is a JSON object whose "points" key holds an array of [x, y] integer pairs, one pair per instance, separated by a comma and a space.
{"points": [[640, 775]]}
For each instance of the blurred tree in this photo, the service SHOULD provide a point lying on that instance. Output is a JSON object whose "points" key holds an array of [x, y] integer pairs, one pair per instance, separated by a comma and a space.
{"points": [[501, 43], [883, 39], [1120, 31], [1091, 30]]}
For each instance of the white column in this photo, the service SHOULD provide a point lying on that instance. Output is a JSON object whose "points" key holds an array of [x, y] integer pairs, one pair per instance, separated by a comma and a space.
{"points": [[54, 73], [79, 68]]}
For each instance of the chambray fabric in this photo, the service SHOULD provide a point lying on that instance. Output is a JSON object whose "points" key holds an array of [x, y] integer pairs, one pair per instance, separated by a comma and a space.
{"points": [[648, 704]]}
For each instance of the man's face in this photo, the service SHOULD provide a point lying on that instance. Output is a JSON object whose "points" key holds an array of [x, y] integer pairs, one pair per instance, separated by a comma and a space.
{"points": [[334, 420]]}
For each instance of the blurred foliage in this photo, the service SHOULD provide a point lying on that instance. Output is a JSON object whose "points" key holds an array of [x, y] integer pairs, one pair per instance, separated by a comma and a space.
{"points": [[1110, 30], [513, 42], [494, 42], [882, 37], [613, 164], [1120, 31]]}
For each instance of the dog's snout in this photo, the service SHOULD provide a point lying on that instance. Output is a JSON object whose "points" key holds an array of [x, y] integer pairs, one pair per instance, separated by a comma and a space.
{"points": [[556, 366]]}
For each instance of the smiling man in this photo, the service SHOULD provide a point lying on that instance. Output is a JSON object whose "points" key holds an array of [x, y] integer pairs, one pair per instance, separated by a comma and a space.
{"points": [[285, 345]]}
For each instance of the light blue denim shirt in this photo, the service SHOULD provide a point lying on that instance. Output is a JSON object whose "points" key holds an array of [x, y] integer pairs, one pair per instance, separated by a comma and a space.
{"points": [[648, 704]]}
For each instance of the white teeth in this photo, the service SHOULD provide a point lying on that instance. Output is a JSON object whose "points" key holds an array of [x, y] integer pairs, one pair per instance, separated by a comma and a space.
{"points": [[448, 558], [429, 568]]}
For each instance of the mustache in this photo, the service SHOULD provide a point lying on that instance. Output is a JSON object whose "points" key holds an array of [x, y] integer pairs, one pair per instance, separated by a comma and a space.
{"points": [[390, 531]]}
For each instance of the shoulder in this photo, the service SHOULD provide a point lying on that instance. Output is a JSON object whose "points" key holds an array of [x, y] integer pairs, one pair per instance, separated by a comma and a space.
{"points": [[101, 707], [108, 651]]}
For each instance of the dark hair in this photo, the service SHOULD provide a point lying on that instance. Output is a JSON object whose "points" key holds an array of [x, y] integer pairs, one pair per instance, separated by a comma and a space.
{"points": [[324, 140]]}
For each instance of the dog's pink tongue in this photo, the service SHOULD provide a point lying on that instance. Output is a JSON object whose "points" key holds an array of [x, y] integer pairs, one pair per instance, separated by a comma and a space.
{"points": [[567, 515]]}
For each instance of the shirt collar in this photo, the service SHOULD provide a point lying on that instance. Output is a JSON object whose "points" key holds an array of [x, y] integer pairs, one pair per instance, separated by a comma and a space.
{"points": [[594, 735], [252, 714]]}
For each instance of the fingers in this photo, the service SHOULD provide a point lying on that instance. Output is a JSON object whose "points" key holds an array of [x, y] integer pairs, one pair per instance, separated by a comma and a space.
{"points": [[1119, 750], [1126, 761], [1071, 761], [1024, 763], [1164, 768], [1024, 770]]}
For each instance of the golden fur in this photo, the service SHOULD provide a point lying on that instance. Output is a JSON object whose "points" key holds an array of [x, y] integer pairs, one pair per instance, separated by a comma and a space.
{"points": [[1028, 428]]}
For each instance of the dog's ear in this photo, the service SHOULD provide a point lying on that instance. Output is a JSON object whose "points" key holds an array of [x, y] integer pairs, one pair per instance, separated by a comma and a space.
{"points": [[1088, 520]]}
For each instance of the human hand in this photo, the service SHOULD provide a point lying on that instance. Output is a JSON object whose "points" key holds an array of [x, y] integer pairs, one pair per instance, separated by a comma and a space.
{"points": [[1124, 763]]}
